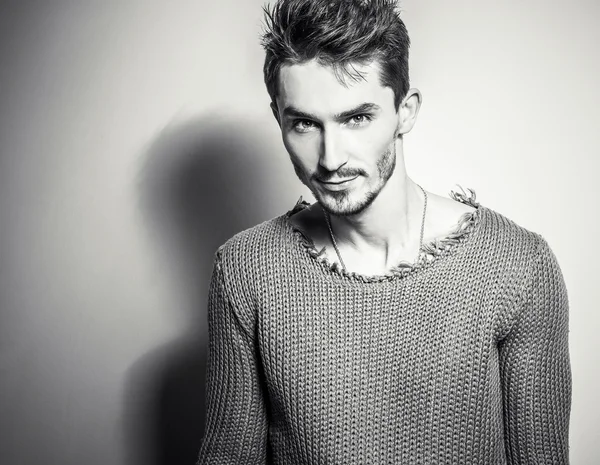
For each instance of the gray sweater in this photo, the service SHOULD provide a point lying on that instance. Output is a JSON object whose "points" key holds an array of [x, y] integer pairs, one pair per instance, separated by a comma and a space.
{"points": [[460, 358]]}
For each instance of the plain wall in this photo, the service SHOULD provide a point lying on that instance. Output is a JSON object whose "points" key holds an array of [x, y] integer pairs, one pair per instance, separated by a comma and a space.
{"points": [[136, 137]]}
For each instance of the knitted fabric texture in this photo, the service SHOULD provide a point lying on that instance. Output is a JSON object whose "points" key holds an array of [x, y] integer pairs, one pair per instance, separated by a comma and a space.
{"points": [[459, 358]]}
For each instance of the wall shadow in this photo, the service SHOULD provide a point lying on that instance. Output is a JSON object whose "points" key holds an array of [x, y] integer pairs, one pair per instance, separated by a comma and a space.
{"points": [[201, 182]]}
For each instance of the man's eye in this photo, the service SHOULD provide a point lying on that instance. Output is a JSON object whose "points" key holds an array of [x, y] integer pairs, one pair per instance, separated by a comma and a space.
{"points": [[359, 120], [304, 125]]}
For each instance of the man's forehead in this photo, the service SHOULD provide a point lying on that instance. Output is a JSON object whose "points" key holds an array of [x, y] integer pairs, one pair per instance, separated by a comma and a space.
{"points": [[315, 88]]}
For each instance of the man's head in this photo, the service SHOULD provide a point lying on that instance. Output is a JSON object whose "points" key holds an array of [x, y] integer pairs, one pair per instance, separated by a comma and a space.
{"points": [[338, 34], [337, 74]]}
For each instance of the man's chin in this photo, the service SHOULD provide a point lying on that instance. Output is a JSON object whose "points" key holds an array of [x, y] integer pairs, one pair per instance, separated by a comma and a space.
{"points": [[342, 204]]}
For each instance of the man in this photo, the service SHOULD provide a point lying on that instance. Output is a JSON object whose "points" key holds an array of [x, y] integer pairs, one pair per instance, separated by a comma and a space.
{"points": [[382, 323]]}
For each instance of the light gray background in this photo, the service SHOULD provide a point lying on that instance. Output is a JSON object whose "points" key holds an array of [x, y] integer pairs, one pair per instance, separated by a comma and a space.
{"points": [[136, 137]]}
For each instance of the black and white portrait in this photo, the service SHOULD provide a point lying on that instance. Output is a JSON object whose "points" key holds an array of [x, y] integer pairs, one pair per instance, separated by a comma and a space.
{"points": [[299, 232]]}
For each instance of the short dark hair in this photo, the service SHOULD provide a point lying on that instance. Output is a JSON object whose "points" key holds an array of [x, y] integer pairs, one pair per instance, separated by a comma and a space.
{"points": [[337, 33]]}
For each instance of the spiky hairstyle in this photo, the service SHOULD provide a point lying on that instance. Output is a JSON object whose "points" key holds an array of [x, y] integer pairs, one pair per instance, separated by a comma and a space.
{"points": [[339, 34]]}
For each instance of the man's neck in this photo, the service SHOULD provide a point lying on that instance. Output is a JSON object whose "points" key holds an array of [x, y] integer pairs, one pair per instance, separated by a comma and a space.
{"points": [[390, 226]]}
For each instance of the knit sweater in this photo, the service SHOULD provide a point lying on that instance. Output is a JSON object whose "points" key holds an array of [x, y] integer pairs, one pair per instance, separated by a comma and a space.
{"points": [[459, 358]]}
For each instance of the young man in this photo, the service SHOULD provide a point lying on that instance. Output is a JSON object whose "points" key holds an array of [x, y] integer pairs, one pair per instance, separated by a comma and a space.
{"points": [[382, 323]]}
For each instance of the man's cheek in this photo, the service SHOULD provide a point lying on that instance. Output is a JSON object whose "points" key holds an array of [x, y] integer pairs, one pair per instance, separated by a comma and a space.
{"points": [[301, 172]]}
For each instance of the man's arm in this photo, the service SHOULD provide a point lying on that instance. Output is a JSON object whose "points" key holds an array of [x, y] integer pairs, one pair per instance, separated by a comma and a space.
{"points": [[236, 423], [536, 371]]}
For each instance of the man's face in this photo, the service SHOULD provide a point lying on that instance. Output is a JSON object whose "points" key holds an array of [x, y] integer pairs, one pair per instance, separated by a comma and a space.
{"points": [[341, 138]]}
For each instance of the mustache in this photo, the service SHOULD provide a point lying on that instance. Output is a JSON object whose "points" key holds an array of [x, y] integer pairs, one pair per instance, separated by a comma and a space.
{"points": [[326, 176]]}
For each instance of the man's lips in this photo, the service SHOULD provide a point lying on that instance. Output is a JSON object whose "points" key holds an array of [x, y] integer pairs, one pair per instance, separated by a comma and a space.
{"points": [[339, 181], [336, 185]]}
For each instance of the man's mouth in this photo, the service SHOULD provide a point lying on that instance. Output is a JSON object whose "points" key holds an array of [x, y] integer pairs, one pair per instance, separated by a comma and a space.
{"points": [[337, 184], [339, 181]]}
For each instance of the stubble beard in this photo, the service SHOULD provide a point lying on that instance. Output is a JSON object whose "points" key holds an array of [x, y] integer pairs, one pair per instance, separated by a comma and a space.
{"points": [[340, 203]]}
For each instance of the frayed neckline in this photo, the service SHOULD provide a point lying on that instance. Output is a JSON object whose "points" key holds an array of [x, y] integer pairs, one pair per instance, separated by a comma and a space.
{"points": [[430, 252]]}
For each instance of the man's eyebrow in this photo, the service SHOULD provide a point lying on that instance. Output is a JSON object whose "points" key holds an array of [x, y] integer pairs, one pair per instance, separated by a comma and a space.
{"points": [[362, 108], [293, 111]]}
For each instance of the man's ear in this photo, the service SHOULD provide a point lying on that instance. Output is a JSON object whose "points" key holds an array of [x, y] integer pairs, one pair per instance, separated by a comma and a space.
{"points": [[275, 111], [409, 109]]}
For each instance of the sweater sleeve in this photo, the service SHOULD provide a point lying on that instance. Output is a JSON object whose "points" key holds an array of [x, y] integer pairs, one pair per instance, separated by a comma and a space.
{"points": [[236, 422], [535, 370]]}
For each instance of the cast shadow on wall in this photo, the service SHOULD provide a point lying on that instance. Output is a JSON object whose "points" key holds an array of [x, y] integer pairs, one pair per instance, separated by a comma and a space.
{"points": [[201, 182]]}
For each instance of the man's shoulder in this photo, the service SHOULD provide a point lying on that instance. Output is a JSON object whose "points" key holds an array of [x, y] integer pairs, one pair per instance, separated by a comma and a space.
{"points": [[246, 247], [499, 236], [507, 239]]}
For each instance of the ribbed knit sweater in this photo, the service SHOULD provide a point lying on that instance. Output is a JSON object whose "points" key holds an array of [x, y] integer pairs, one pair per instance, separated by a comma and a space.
{"points": [[459, 358]]}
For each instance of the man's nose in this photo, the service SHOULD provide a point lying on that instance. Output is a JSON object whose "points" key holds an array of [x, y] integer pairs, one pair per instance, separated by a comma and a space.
{"points": [[332, 154]]}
